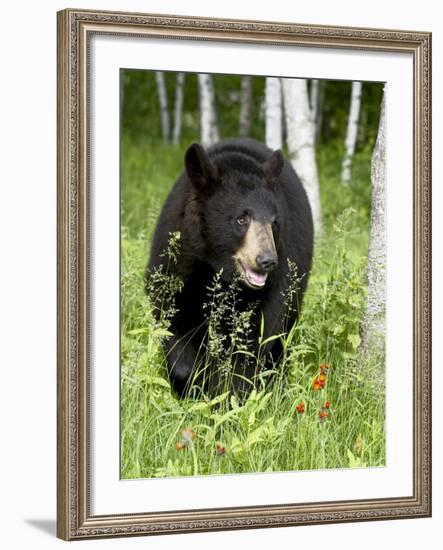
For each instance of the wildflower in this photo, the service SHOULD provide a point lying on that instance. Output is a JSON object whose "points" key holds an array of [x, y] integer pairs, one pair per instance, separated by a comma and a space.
{"points": [[187, 437], [327, 405], [323, 415], [219, 449], [324, 367], [322, 380], [316, 384], [300, 408]]}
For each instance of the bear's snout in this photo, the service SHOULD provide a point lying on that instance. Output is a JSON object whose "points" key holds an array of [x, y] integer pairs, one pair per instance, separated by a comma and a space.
{"points": [[267, 261]]}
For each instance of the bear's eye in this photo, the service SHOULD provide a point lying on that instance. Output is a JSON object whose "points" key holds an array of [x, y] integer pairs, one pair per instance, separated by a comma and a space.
{"points": [[243, 219]]}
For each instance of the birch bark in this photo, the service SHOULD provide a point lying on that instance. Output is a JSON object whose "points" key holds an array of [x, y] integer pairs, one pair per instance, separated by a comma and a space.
{"points": [[245, 106], [178, 108], [208, 119], [301, 142], [273, 113], [163, 101], [373, 323]]}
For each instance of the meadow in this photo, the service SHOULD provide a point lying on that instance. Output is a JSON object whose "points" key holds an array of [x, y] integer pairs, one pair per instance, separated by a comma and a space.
{"points": [[326, 408]]}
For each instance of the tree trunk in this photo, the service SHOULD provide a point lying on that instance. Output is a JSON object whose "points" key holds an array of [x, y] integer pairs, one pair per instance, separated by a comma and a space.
{"points": [[352, 131], [163, 101], [178, 109], [208, 119], [373, 323], [273, 113], [300, 139], [245, 106]]}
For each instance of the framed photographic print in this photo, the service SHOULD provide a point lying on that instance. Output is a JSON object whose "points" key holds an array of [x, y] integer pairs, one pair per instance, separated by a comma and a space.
{"points": [[244, 247]]}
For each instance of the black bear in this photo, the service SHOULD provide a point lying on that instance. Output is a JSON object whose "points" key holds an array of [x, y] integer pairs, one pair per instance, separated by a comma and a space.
{"points": [[242, 213]]}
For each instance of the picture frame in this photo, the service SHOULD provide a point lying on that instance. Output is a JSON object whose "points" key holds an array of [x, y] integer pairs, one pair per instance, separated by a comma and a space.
{"points": [[75, 517]]}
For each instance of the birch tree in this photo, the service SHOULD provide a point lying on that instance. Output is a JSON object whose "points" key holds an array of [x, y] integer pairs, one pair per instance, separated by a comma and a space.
{"points": [[163, 102], [245, 106], [373, 324], [208, 119], [178, 108], [301, 141], [273, 113], [352, 131]]}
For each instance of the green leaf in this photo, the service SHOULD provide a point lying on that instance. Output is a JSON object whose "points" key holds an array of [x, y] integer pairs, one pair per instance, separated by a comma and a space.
{"points": [[255, 436], [262, 403], [219, 399], [234, 403], [219, 420], [354, 339], [157, 381], [355, 462], [338, 329], [272, 338], [262, 328], [137, 331], [159, 332], [252, 396], [199, 407], [354, 300]]}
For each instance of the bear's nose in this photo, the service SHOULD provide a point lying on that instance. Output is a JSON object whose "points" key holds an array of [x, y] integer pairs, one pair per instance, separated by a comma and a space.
{"points": [[266, 262]]}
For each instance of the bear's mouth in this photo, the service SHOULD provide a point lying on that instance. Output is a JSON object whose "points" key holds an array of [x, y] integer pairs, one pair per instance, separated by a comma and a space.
{"points": [[251, 277]]}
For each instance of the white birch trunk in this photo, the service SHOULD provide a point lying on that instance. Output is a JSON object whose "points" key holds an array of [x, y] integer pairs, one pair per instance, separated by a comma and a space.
{"points": [[208, 119], [245, 106], [163, 101], [352, 131], [373, 323], [301, 142], [273, 113], [178, 108]]}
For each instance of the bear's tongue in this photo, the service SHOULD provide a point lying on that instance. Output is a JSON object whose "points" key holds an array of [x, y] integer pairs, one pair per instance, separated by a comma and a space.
{"points": [[256, 279]]}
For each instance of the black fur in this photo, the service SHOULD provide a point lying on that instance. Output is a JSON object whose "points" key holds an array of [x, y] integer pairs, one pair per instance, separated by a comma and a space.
{"points": [[216, 187]]}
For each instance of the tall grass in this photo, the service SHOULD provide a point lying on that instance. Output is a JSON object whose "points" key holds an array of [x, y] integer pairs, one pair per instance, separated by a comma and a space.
{"points": [[325, 411]]}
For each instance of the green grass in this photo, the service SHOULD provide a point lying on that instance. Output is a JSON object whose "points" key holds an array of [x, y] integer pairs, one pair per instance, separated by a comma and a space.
{"points": [[265, 433]]}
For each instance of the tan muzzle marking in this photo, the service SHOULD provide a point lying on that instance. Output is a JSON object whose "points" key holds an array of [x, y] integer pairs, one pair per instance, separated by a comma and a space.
{"points": [[258, 240]]}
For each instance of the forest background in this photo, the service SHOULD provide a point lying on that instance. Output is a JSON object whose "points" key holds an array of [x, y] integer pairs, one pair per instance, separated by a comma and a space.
{"points": [[328, 129]]}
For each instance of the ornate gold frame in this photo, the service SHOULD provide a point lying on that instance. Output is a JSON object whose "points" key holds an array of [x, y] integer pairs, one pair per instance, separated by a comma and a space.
{"points": [[75, 28]]}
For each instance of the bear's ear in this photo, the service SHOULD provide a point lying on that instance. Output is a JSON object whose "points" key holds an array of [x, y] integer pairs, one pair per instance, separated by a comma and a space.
{"points": [[201, 171], [273, 166]]}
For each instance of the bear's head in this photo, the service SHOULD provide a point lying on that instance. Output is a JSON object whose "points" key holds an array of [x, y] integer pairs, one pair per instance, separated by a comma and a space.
{"points": [[238, 212]]}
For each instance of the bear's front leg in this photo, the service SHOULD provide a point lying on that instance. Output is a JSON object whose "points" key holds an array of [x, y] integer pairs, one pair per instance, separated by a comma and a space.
{"points": [[181, 358]]}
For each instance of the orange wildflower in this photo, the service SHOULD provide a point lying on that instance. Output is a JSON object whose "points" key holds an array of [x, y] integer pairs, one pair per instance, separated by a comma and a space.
{"points": [[324, 367], [300, 408], [316, 384], [323, 415], [187, 437], [327, 405], [219, 449], [322, 380]]}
